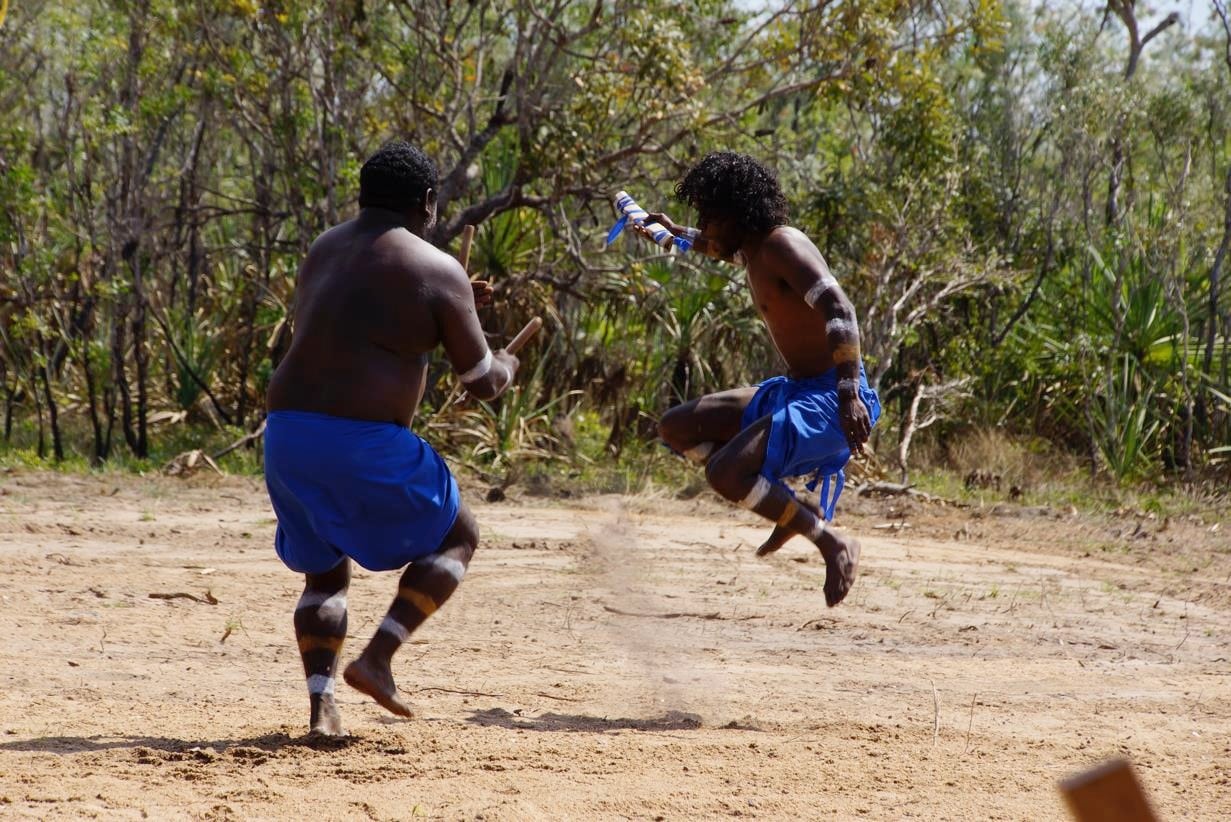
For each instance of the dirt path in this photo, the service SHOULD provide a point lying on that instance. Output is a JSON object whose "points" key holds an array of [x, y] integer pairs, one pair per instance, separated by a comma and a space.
{"points": [[615, 658]]}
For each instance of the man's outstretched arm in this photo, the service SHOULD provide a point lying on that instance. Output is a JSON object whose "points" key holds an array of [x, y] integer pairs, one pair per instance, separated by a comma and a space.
{"points": [[700, 243]]}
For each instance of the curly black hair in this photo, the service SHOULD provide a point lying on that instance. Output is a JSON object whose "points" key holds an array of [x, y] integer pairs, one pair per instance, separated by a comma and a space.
{"points": [[397, 177], [726, 184]]}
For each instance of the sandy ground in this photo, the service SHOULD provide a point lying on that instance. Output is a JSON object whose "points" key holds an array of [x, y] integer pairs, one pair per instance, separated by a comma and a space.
{"points": [[612, 658]]}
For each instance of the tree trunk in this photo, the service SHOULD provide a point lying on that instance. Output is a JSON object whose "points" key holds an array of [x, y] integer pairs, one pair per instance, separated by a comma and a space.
{"points": [[53, 412], [1126, 11], [908, 431], [97, 454], [8, 402], [141, 354], [38, 410], [1211, 325], [119, 338]]}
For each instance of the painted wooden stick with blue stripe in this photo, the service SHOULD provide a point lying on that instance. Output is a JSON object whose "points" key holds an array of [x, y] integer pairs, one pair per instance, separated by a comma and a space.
{"points": [[629, 210]]}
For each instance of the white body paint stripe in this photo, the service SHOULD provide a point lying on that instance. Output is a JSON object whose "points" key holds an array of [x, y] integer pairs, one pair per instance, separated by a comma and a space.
{"points": [[449, 565], [394, 628], [838, 325], [818, 530], [323, 600], [699, 453], [817, 291], [320, 684], [480, 369], [760, 490]]}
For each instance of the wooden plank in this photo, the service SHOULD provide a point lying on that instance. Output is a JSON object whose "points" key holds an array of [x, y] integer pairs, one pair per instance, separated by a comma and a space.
{"points": [[1108, 793]]}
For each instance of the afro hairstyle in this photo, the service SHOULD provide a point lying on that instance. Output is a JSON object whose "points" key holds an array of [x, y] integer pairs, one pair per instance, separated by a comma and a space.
{"points": [[396, 177], [727, 184]]}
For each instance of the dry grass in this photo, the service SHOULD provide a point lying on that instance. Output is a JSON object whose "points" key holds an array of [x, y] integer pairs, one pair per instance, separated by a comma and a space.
{"points": [[1027, 463]]}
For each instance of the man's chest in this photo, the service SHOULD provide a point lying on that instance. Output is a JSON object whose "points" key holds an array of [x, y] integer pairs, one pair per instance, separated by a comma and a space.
{"points": [[770, 292]]}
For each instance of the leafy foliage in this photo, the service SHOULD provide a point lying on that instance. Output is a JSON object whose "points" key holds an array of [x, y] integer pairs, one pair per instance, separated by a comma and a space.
{"points": [[1026, 201]]}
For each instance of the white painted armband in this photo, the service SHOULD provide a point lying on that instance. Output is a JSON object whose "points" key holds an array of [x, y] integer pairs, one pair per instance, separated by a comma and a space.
{"points": [[817, 291], [848, 385], [841, 325], [480, 369]]}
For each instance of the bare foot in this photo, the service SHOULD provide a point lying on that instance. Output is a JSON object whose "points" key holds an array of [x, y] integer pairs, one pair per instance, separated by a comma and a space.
{"points": [[776, 540], [326, 721], [841, 564], [376, 680], [782, 534]]}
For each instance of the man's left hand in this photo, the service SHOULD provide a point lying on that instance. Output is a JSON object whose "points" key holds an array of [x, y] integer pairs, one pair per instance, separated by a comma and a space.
{"points": [[482, 293], [855, 421]]}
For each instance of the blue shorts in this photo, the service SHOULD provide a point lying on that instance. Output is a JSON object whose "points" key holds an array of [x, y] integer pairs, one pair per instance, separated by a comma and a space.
{"points": [[371, 491], [805, 436]]}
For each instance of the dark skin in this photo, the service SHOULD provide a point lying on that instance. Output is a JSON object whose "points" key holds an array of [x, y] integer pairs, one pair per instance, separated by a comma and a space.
{"points": [[373, 300], [813, 326]]}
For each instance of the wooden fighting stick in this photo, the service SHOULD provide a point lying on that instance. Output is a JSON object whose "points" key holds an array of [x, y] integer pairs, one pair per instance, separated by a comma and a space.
{"points": [[524, 335], [532, 327], [1108, 793], [529, 330], [463, 256]]}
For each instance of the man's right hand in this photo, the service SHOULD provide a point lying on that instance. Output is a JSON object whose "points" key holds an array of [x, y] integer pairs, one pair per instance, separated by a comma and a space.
{"points": [[664, 221], [508, 360], [497, 379], [660, 218]]}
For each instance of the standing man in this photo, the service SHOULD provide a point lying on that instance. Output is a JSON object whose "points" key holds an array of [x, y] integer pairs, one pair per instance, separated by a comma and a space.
{"points": [[347, 478], [807, 422]]}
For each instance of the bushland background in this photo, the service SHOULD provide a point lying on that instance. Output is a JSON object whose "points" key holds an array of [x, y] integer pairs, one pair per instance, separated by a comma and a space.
{"points": [[1029, 203]]}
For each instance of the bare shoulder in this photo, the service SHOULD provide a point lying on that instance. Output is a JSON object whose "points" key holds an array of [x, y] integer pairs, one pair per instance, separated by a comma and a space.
{"points": [[410, 256], [446, 272], [328, 239], [318, 262], [789, 243], [787, 249]]}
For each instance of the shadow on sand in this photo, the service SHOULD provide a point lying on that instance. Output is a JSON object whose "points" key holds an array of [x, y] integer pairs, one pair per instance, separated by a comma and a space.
{"points": [[670, 721], [268, 743]]}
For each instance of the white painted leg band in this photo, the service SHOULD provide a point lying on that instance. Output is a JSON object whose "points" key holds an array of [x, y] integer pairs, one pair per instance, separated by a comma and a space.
{"points": [[449, 565], [816, 532], [320, 684], [760, 490], [700, 453], [394, 628], [479, 370], [323, 600]]}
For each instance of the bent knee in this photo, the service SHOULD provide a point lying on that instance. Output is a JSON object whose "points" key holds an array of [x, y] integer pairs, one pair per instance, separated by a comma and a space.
{"points": [[672, 431], [464, 534]]}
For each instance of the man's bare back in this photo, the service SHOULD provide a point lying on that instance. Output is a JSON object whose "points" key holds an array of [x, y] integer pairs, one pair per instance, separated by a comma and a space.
{"points": [[373, 301], [346, 478]]}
